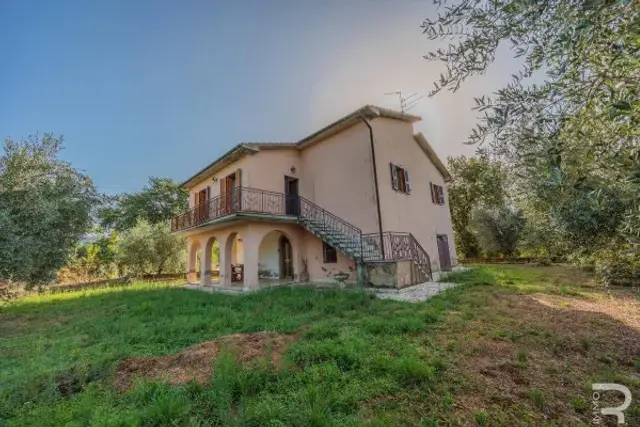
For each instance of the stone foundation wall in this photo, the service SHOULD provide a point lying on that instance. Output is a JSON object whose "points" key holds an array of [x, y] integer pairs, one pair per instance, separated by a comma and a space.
{"points": [[390, 274]]}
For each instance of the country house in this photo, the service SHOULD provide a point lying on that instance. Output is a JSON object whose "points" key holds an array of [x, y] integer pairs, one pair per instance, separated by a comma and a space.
{"points": [[363, 200]]}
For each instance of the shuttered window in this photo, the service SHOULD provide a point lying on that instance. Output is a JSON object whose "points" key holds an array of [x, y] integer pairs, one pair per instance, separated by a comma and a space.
{"points": [[437, 194], [400, 179]]}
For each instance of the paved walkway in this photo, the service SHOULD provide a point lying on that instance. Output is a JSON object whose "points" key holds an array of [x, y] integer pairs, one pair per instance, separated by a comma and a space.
{"points": [[421, 292]]}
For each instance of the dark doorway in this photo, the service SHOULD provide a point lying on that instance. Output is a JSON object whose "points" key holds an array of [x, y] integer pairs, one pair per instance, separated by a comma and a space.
{"points": [[286, 261], [443, 252], [292, 200]]}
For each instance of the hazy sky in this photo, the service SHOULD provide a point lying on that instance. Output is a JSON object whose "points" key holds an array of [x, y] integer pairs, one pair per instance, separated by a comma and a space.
{"points": [[162, 88]]}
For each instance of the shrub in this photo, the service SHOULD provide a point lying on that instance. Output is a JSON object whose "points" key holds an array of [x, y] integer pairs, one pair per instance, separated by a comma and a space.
{"points": [[537, 397], [481, 418], [617, 266]]}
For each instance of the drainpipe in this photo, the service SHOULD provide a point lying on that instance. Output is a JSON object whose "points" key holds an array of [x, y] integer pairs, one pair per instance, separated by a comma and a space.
{"points": [[375, 180]]}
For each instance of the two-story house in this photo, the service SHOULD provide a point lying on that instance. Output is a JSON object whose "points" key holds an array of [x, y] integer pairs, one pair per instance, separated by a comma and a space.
{"points": [[362, 199]]}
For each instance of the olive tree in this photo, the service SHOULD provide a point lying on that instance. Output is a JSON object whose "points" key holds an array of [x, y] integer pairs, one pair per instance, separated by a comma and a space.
{"points": [[152, 248], [45, 208], [572, 141]]}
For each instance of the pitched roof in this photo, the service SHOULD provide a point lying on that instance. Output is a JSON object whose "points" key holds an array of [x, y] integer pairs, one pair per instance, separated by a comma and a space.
{"points": [[368, 111]]}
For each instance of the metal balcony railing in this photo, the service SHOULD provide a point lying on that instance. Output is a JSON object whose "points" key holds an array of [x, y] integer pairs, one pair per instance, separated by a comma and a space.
{"points": [[240, 199]]}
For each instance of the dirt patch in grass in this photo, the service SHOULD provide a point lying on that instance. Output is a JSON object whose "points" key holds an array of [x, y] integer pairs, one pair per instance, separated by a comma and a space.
{"points": [[196, 362], [624, 309], [528, 357]]}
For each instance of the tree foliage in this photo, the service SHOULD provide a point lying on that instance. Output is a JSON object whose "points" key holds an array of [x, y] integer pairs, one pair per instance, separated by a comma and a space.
{"points": [[151, 248], [45, 207], [572, 142], [160, 200], [475, 182], [94, 260], [498, 230]]}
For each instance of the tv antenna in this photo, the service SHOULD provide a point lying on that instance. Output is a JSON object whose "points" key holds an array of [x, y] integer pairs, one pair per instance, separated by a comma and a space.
{"points": [[406, 103]]}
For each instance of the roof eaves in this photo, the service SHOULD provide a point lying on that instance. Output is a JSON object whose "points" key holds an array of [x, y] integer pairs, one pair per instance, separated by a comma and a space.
{"points": [[240, 149], [431, 154], [369, 112]]}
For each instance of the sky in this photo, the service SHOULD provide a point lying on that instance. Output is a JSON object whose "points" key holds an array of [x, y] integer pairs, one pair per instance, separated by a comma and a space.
{"points": [[143, 88]]}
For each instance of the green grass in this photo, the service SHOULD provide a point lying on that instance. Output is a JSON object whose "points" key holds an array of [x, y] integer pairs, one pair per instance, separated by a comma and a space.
{"points": [[355, 348], [359, 361]]}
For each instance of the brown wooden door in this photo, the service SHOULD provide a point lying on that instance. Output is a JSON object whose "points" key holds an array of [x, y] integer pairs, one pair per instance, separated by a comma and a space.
{"points": [[229, 200], [443, 252], [286, 261], [201, 203]]}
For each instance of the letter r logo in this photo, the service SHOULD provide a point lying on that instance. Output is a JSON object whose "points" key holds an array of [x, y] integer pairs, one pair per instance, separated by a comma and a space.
{"points": [[617, 411]]}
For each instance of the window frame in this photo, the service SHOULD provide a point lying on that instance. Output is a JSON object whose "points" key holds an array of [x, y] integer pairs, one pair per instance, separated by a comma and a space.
{"points": [[329, 253], [400, 179], [437, 194]]}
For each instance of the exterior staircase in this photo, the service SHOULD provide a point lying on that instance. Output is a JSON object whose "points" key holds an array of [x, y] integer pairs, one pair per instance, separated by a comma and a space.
{"points": [[363, 248], [335, 231]]}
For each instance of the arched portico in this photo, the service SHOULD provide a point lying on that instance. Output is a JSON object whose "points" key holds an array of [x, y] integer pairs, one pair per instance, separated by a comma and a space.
{"points": [[248, 254], [210, 246], [276, 257]]}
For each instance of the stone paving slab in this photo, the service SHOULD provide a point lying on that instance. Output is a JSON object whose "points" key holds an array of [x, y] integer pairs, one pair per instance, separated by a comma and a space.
{"points": [[417, 293], [421, 292]]}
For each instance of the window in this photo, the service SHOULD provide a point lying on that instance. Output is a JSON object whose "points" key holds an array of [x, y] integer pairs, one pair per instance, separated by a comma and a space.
{"points": [[329, 254], [400, 179], [437, 194]]}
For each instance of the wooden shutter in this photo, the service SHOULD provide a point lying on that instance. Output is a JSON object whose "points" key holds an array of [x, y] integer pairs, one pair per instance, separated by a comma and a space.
{"points": [[433, 196], [238, 189], [407, 184], [394, 177], [223, 196], [207, 205]]}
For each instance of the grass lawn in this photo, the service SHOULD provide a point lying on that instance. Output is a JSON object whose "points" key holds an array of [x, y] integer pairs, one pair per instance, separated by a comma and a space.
{"points": [[512, 345]]}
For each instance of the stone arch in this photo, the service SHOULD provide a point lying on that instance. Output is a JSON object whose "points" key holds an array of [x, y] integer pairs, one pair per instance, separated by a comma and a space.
{"points": [[276, 256], [233, 256], [193, 261], [209, 245]]}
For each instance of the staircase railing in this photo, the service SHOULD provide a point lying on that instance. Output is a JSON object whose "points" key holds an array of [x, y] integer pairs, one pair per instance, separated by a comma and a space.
{"points": [[395, 246], [313, 213]]}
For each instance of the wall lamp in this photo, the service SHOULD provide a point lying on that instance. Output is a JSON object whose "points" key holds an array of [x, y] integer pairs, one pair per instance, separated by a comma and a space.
{"points": [[293, 169]]}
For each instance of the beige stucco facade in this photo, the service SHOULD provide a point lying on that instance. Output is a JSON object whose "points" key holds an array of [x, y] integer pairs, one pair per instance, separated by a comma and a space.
{"points": [[395, 143], [334, 170]]}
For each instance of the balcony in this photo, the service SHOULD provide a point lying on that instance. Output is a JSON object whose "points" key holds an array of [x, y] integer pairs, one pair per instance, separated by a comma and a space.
{"points": [[240, 200]]}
